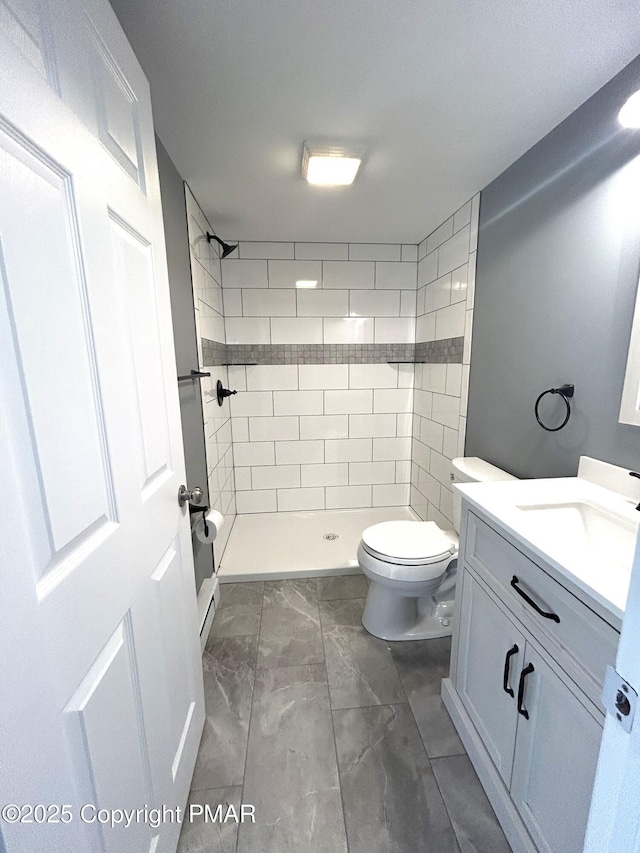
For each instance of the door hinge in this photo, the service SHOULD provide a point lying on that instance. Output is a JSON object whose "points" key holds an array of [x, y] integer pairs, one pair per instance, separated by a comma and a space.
{"points": [[619, 698]]}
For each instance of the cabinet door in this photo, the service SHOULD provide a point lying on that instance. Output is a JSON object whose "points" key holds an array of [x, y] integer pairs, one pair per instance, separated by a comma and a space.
{"points": [[489, 646], [555, 759]]}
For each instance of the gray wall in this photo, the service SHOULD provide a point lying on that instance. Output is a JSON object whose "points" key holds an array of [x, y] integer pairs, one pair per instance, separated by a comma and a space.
{"points": [[557, 271], [174, 212]]}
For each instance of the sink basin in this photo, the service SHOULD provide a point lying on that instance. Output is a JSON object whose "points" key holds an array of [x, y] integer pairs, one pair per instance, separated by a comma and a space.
{"points": [[592, 532]]}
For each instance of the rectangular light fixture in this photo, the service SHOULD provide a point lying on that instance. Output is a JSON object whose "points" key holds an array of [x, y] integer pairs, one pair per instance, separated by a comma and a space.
{"points": [[330, 165], [305, 283]]}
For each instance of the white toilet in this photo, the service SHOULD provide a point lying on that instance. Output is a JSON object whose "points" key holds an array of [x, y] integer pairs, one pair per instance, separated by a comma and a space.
{"points": [[412, 567]]}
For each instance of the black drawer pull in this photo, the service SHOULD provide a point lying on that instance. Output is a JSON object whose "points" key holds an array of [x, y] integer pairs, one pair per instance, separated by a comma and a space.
{"points": [[523, 594], [525, 672], [507, 663]]}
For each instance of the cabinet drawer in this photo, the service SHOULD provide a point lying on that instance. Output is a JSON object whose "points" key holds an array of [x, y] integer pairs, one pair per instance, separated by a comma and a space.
{"points": [[580, 632]]}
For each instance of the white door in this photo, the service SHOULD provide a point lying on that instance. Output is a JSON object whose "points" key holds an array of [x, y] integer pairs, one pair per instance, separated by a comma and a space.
{"points": [[614, 819], [489, 663], [100, 678], [551, 792]]}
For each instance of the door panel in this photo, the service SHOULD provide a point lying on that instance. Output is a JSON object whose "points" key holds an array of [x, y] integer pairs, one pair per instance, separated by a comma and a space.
{"points": [[486, 636]]}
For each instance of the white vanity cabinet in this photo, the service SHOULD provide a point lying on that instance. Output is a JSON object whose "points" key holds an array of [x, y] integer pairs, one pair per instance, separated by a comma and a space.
{"points": [[528, 663]]}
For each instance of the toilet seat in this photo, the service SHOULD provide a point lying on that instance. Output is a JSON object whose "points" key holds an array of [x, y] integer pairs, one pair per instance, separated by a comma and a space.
{"points": [[407, 543]]}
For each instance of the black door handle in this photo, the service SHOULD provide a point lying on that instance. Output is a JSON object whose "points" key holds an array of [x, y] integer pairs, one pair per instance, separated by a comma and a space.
{"points": [[523, 594], [507, 663], [525, 672]]}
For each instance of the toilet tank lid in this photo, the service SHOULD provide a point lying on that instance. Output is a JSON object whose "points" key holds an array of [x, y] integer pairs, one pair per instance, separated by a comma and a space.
{"points": [[472, 469]]}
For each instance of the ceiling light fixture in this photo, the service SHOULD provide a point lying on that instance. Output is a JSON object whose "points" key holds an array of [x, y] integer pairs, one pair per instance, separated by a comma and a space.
{"points": [[305, 283], [330, 165], [629, 115]]}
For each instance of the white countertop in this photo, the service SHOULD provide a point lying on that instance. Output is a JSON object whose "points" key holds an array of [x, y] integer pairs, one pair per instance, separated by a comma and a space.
{"points": [[596, 570]]}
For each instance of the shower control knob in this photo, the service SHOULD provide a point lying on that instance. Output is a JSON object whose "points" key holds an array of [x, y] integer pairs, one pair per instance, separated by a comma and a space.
{"points": [[193, 496]]}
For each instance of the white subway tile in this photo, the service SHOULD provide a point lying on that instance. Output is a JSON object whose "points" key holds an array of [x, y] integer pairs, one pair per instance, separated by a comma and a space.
{"points": [[297, 402], [261, 501], [391, 495], [454, 252], [440, 468], [375, 303], [459, 279], [372, 426], [471, 283], [348, 330], [237, 273], [363, 473], [373, 376], [454, 380], [428, 269], [407, 303], [332, 474], [464, 390], [268, 303], [392, 400], [276, 477], [322, 251], [404, 424], [422, 401], [322, 303], [268, 250], [273, 429], [434, 377], [450, 443], [291, 500], [240, 429], [272, 377], [232, 300], [405, 375], [420, 453], [324, 426], [348, 402], [348, 275], [409, 252], [298, 452], [462, 432], [420, 301], [247, 330], [349, 450], [253, 453], [403, 471], [429, 486], [426, 328], [446, 502], [450, 321], [374, 252], [462, 217], [418, 503], [392, 330], [438, 293], [391, 449], [434, 514], [475, 216], [422, 249], [468, 333], [242, 479], [323, 376], [296, 330], [396, 276], [251, 403], [445, 410], [442, 233], [432, 434], [285, 274], [236, 379], [348, 497]]}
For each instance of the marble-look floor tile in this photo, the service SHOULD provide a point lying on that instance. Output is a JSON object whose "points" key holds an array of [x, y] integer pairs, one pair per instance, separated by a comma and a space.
{"points": [[421, 665], [290, 630], [474, 821], [238, 613], [391, 800], [229, 667], [291, 775], [197, 836], [345, 586], [360, 667]]}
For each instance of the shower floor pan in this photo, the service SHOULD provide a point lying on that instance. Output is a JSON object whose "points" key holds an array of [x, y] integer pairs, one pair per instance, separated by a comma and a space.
{"points": [[274, 545]]}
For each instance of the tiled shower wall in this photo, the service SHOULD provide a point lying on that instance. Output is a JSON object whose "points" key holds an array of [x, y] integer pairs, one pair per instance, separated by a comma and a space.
{"points": [[321, 420], [446, 281], [207, 298]]}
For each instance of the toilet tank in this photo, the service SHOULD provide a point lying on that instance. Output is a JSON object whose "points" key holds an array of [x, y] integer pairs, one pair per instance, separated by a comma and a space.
{"points": [[471, 469]]}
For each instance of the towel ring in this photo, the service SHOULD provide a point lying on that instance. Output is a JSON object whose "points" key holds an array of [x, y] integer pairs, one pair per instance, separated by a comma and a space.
{"points": [[565, 391]]}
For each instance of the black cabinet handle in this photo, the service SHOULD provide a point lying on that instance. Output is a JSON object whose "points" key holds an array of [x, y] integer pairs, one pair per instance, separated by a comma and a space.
{"points": [[523, 594], [525, 672], [507, 663]]}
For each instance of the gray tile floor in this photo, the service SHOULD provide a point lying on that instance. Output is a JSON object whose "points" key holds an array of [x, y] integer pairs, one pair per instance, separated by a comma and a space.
{"points": [[338, 739]]}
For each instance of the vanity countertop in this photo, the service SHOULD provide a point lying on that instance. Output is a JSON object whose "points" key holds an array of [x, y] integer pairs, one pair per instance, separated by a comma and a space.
{"points": [[583, 532]]}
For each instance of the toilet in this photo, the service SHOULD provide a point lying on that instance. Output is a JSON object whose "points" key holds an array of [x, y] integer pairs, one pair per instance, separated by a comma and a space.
{"points": [[411, 566]]}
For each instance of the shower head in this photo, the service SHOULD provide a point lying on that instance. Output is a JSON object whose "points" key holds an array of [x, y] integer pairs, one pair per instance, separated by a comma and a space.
{"points": [[226, 248]]}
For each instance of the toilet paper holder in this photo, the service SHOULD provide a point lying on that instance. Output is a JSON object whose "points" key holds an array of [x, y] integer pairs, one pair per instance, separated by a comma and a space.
{"points": [[204, 510]]}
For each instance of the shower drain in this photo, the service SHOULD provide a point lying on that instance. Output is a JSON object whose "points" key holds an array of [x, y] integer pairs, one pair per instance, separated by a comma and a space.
{"points": [[330, 536]]}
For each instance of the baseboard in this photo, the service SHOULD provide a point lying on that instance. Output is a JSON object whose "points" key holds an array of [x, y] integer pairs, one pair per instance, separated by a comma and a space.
{"points": [[497, 794], [207, 598]]}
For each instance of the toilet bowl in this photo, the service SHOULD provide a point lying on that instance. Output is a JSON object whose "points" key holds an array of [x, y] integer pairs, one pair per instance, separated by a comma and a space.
{"points": [[412, 567]]}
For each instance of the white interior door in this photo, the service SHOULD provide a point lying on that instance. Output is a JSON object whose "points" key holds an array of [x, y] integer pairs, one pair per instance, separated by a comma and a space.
{"points": [[102, 699]]}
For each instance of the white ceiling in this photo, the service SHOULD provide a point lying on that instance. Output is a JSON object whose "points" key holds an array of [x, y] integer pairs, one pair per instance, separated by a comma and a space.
{"points": [[445, 93]]}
